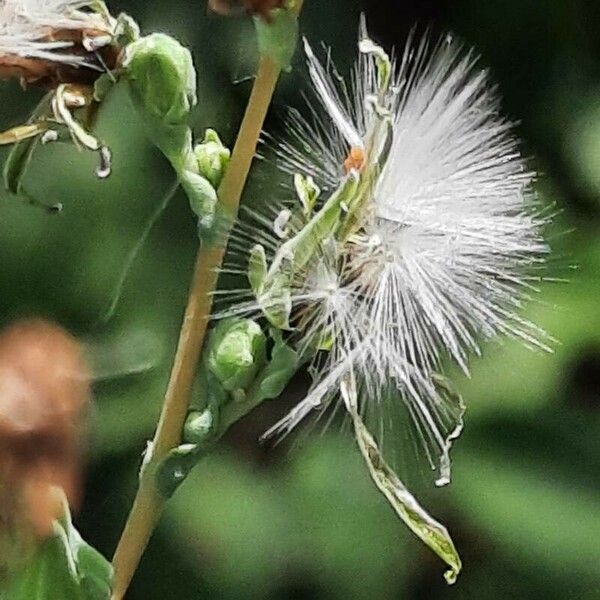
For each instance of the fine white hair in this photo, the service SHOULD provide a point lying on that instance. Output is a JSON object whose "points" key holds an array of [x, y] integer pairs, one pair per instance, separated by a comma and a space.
{"points": [[26, 27], [447, 251]]}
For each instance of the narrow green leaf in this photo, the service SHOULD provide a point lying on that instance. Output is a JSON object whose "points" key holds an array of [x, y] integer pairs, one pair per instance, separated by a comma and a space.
{"points": [[276, 375], [434, 534], [65, 567], [20, 155]]}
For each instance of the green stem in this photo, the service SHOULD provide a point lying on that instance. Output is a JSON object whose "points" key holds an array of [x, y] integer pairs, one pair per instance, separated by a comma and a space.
{"points": [[148, 504]]}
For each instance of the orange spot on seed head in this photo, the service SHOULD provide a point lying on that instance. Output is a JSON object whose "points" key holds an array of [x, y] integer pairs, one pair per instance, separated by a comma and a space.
{"points": [[355, 160]]}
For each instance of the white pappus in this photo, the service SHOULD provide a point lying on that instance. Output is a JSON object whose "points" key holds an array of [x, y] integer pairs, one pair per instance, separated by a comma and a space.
{"points": [[441, 247], [28, 28]]}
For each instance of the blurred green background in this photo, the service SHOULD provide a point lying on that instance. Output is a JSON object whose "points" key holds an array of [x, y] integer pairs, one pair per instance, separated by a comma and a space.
{"points": [[303, 520]]}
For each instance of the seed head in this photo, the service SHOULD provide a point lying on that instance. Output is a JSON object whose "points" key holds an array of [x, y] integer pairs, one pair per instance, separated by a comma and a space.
{"points": [[434, 250]]}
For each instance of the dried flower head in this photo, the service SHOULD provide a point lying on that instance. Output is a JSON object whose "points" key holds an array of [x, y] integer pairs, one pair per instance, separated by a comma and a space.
{"points": [[47, 42], [261, 8], [427, 244], [44, 391]]}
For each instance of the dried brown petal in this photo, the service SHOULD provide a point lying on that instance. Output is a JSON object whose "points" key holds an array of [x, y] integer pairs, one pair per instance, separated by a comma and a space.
{"points": [[44, 392], [260, 8], [48, 74]]}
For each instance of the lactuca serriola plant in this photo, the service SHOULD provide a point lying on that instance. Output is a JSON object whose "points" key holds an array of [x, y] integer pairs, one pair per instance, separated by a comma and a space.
{"points": [[414, 236]]}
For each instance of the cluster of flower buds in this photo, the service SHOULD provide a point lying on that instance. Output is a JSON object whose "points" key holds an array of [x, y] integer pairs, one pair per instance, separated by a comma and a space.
{"points": [[78, 50], [241, 367]]}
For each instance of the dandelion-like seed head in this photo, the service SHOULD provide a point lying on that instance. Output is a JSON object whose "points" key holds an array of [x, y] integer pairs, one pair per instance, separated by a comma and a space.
{"points": [[427, 239]]}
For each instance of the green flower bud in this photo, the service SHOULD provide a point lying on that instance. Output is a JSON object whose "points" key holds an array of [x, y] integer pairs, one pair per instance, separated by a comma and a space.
{"points": [[199, 427], [162, 78], [213, 157], [237, 351]]}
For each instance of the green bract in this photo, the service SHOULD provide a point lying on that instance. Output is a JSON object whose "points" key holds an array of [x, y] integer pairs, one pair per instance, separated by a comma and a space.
{"points": [[308, 193], [272, 288], [237, 351], [202, 196]]}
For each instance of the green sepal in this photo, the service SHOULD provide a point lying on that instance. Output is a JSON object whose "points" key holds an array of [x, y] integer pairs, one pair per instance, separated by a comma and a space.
{"points": [[65, 567], [103, 85], [383, 63], [200, 426], [212, 157], [275, 297], [276, 302], [278, 38], [175, 468], [237, 350], [278, 372], [127, 30], [300, 249], [208, 391], [202, 196], [308, 193], [257, 269]]}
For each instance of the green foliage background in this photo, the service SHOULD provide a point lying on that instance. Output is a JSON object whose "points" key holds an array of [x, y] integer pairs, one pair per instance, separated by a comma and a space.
{"points": [[305, 522]]}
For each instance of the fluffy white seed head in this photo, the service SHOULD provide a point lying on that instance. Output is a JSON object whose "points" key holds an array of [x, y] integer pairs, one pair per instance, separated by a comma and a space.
{"points": [[444, 251]]}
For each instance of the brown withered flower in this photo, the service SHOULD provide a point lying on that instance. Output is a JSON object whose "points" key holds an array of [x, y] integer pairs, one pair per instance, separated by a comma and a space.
{"points": [[44, 392], [261, 8], [49, 42], [63, 46]]}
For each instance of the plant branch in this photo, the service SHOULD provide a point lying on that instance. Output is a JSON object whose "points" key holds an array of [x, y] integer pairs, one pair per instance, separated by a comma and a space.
{"points": [[148, 504]]}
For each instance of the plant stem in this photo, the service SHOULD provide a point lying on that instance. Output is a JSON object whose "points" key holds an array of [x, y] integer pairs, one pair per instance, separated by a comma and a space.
{"points": [[148, 504]]}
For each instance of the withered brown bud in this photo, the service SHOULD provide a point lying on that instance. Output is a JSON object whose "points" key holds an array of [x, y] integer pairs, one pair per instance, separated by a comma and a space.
{"points": [[260, 8], [44, 392]]}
